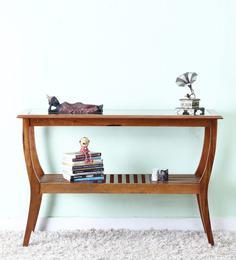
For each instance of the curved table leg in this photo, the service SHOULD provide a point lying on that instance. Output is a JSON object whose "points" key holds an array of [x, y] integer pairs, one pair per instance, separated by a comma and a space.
{"points": [[34, 171], [38, 200], [35, 202], [206, 216], [204, 172], [200, 210], [34, 156]]}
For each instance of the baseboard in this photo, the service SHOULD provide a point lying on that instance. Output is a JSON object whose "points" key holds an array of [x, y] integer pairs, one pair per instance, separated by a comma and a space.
{"points": [[53, 224]]}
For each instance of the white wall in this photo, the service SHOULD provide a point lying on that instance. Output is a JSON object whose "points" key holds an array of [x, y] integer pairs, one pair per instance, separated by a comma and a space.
{"points": [[124, 54]]}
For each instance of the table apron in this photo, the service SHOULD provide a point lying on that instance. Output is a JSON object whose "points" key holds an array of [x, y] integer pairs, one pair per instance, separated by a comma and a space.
{"points": [[122, 122]]}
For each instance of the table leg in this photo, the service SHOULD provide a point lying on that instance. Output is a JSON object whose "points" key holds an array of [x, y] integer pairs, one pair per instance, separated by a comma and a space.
{"points": [[35, 202], [34, 171], [206, 216], [201, 213], [204, 172]]}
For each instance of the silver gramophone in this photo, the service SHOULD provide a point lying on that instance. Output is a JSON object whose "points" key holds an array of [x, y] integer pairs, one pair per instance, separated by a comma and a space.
{"points": [[189, 105]]}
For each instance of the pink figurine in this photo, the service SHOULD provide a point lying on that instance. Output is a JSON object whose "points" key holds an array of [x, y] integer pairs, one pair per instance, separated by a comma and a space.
{"points": [[84, 142]]}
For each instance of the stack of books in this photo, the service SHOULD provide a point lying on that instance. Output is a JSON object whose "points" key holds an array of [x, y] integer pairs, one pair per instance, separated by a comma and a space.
{"points": [[75, 169]]}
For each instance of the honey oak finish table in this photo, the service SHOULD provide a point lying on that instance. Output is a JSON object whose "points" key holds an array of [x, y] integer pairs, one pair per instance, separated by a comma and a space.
{"points": [[196, 183]]}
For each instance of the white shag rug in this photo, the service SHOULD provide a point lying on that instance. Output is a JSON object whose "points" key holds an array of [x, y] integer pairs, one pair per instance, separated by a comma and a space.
{"points": [[117, 244]]}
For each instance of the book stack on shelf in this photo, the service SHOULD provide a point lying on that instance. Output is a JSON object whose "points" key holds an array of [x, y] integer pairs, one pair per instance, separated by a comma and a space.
{"points": [[75, 168]]}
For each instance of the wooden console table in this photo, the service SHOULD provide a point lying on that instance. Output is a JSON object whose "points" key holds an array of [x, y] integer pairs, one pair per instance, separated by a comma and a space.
{"points": [[196, 183]]}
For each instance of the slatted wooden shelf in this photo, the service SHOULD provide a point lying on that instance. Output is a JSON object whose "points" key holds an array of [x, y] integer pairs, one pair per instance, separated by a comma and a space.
{"points": [[186, 183]]}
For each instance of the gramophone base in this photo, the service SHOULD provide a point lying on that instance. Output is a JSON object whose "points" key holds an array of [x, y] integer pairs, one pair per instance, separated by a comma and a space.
{"points": [[191, 111]]}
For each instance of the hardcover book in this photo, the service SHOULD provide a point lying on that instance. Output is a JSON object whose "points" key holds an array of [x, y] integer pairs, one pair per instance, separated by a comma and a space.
{"points": [[82, 164], [82, 176], [86, 179], [73, 171], [74, 155], [72, 160], [82, 168]]}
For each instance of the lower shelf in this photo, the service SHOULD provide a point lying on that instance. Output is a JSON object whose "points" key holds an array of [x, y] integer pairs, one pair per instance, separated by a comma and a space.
{"points": [[125, 183]]}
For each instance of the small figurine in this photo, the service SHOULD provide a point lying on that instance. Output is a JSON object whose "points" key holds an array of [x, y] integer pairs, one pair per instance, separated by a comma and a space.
{"points": [[84, 142], [163, 175], [189, 105], [76, 108], [160, 175]]}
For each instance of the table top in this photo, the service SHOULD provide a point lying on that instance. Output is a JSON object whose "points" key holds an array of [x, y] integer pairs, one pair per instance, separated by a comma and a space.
{"points": [[119, 113]]}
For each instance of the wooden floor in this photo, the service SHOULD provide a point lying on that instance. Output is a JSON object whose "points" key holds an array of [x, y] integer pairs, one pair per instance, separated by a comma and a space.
{"points": [[178, 183]]}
